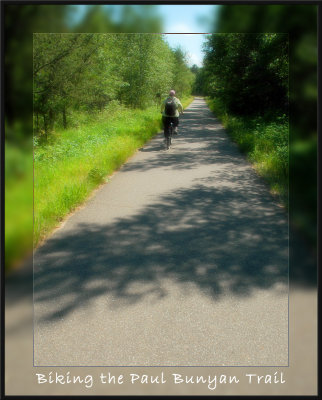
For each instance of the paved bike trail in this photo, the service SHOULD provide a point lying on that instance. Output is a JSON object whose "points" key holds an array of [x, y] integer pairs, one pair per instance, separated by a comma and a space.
{"points": [[180, 260]]}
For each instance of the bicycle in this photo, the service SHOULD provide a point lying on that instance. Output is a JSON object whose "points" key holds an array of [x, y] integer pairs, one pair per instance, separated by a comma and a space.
{"points": [[169, 136]]}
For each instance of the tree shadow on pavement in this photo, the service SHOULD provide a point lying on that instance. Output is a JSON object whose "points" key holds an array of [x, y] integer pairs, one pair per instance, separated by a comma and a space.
{"points": [[210, 149], [192, 130], [199, 236]]}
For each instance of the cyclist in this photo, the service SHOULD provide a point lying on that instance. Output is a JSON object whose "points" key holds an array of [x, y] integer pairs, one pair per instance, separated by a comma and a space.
{"points": [[170, 110]]}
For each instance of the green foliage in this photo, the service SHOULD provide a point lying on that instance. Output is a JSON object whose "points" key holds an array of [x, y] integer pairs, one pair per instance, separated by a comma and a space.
{"points": [[248, 72], [91, 71], [183, 76], [146, 66], [198, 88], [21, 21]]}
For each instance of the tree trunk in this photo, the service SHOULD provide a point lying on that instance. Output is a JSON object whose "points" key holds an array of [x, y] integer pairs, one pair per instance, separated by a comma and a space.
{"points": [[64, 118], [45, 125], [51, 120], [37, 122]]}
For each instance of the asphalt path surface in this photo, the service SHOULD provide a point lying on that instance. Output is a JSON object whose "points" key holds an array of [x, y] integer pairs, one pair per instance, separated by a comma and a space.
{"points": [[180, 260]]}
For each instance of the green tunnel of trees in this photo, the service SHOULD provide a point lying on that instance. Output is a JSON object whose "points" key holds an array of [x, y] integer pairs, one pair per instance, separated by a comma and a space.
{"points": [[57, 96], [245, 77]]}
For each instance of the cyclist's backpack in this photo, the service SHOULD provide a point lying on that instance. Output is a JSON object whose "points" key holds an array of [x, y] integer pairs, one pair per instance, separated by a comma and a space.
{"points": [[170, 107]]}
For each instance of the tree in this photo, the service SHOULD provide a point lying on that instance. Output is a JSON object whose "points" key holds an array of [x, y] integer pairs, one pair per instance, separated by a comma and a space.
{"points": [[20, 22], [248, 72], [60, 62], [87, 71], [183, 78], [199, 80]]}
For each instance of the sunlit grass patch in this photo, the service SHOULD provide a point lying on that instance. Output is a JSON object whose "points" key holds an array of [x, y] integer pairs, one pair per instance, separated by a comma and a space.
{"points": [[79, 159], [67, 169]]}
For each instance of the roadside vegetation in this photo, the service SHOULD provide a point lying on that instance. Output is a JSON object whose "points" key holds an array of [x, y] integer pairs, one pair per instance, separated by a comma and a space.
{"points": [[299, 23], [245, 78], [96, 101], [79, 159], [265, 143]]}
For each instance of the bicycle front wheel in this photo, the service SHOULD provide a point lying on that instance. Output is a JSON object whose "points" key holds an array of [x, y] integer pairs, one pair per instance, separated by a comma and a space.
{"points": [[168, 142]]}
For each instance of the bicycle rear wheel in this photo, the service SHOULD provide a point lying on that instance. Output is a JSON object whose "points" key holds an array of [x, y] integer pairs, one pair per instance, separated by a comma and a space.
{"points": [[168, 142], [170, 133]]}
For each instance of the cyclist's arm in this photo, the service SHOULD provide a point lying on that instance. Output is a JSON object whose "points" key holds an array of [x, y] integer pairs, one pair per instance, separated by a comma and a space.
{"points": [[162, 107]]}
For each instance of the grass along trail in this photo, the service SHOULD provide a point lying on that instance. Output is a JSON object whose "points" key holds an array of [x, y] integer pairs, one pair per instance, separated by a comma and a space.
{"points": [[79, 159]]}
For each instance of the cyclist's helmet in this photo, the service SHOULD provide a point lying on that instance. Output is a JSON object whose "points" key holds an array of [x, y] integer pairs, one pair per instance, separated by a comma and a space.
{"points": [[172, 93]]}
